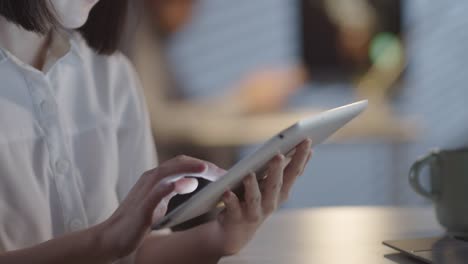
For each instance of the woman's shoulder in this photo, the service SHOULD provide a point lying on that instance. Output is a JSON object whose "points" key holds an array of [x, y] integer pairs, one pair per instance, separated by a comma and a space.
{"points": [[99, 62], [114, 71], [114, 76]]}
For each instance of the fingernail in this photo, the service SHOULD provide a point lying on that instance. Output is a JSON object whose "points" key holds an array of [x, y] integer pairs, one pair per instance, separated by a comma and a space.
{"points": [[228, 197], [247, 180], [280, 157], [253, 176], [202, 167]]}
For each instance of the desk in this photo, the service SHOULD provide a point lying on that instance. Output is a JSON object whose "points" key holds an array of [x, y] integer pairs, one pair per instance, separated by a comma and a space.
{"points": [[214, 130], [336, 235]]}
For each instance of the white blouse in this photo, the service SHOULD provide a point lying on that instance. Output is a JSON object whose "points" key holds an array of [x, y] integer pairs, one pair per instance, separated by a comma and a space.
{"points": [[73, 141]]}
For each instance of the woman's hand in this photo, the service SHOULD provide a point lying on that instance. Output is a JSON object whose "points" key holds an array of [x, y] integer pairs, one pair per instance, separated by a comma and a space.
{"points": [[238, 223], [125, 229]]}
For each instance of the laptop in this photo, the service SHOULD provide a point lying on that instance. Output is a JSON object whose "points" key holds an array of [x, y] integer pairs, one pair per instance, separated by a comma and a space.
{"points": [[437, 250]]}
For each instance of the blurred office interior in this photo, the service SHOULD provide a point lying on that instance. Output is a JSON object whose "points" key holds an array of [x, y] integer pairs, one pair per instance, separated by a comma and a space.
{"points": [[239, 71]]}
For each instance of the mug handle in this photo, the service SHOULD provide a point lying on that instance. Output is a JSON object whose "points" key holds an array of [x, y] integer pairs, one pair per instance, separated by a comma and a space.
{"points": [[415, 173]]}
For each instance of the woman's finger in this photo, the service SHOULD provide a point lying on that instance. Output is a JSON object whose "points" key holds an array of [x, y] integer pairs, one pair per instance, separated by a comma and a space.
{"points": [[180, 165], [233, 211], [252, 199], [186, 185], [162, 206], [212, 172], [173, 168], [273, 184], [182, 186], [295, 167], [309, 155], [155, 196]]}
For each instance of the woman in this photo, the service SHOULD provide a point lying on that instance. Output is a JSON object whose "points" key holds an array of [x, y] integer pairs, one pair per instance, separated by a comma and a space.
{"points": [[75, 137]]}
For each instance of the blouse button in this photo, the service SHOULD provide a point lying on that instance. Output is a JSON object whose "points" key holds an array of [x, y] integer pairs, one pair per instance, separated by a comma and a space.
{"points": [[76, 224], [62, 166]]}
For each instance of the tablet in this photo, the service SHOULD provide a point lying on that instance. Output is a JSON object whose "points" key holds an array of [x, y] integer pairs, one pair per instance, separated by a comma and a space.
{"points": [[318, 128]]}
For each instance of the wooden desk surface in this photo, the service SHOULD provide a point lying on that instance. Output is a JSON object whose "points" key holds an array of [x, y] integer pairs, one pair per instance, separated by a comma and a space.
{"points": [[337, 235], [210, 129], [214, 126]]}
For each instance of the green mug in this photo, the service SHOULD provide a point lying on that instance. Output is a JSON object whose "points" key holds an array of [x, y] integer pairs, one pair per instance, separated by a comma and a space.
{"points": [[448, 188]]}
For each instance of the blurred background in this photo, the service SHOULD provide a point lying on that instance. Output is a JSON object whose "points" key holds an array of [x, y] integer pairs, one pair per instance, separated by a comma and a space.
{"points": [[221, 77]]}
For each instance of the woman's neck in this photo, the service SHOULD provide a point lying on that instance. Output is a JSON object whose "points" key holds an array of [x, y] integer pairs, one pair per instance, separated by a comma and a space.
{"points": [[29, 47]]}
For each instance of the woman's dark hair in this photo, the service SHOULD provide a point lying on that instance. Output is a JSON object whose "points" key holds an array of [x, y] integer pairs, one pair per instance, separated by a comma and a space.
{"points": [[102, 30]]}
